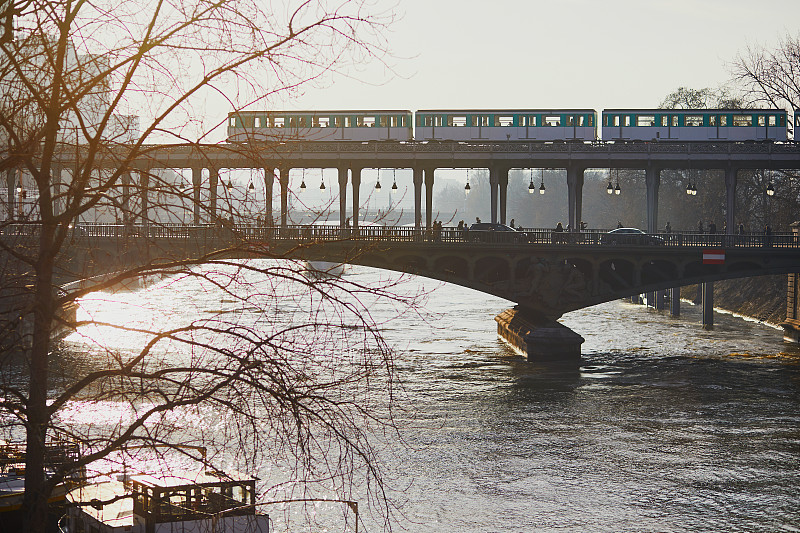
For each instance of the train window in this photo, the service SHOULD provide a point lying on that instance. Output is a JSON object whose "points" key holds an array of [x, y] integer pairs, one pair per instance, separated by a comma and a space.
{"points": [[591, 121], [532, 120], [570, 120], [457, 121], [383, 122], [232, 122], [348, 122], [552, 120], [712, 120], [664, 120], [616, 120], [256, 122], [762, 120], [723, 120], [323, 122], [627, 120], [674, 121], [581, 121], [280, 122], [693, 120], [742, 120], [797, 119], [645, 120], [481, 120], [503, 120], [772, 121]]}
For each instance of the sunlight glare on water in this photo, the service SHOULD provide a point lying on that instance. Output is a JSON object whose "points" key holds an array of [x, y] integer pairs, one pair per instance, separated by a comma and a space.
{"points": [[663, 427]]}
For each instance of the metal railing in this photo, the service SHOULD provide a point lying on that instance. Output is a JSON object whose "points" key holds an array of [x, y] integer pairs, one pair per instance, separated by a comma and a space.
{"points": [[446, 235]]}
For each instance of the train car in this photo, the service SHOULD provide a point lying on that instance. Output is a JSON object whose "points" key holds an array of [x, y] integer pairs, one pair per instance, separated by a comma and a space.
{"points": [[287, 126], [694, 124], [506, 125]]}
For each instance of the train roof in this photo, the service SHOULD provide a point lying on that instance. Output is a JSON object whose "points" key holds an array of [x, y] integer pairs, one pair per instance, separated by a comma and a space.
{"points": [[709, 110], [320, 111], [509, 111]]}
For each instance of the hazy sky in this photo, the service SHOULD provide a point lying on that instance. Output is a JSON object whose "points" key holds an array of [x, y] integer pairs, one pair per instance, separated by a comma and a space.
{"points": [[557, 53]]}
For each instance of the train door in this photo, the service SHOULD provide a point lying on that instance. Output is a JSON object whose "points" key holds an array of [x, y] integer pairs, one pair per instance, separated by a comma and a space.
{"points": [[673, 131]]}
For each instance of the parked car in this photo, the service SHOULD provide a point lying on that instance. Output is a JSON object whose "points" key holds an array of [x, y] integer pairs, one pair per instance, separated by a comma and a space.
{"points": [[496, 232], [630, 236]]}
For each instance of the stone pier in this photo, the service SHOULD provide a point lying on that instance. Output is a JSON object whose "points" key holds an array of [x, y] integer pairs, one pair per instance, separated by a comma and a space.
{"points": [[541, 339]]}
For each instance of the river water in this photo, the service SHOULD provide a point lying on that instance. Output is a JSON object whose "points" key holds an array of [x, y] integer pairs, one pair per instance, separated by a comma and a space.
{"points": [[663, 427]]}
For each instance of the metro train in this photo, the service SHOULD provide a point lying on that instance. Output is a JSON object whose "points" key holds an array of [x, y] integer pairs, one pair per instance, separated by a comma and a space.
{"points": [[618, 125]]}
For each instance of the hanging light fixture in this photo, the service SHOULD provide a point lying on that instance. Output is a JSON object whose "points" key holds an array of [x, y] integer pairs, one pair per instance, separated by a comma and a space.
{"points": [[321, 184], [610, 188], [531, 186], [541, 186], [230, 185], [303, 181], [394, 179], [467, 188], [617, 190], [770, 189], [378, 182], [251, 186]]}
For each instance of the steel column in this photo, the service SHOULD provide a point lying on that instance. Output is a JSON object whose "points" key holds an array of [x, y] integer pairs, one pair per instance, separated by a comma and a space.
{"points": [[356, 179], [269, 181], [342, 175], [418, 177], [197, 177], [708, 305], [675, 301], [283, 181], [730, 197], [575, 195], [653, 181], [429, 173], [503, 186], [494, 183]]}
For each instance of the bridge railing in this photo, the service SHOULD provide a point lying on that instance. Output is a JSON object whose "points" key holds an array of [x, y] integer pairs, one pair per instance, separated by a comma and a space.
{"points": [[227, 232]]}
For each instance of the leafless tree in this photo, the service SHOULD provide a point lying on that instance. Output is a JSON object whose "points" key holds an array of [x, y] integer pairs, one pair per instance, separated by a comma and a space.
{"points": [[771, 77], [88, 83]]}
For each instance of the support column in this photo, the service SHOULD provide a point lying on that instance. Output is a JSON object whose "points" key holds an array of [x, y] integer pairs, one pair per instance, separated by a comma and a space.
{"points": [[269, 181], [791, 326], [429, 172], [730, 197], [356, 179], [197, 178], [283, 180], [126, 195], [675, 301], [11, 190], [144, 186], [418, 177], [653, 181], [342, 176], [575, 194], [494, 184], [659, 303], [503, 186], [708, 305]]}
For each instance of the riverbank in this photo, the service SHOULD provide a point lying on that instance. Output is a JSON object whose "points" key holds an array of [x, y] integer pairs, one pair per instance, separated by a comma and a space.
{"points": [[762, 298]]}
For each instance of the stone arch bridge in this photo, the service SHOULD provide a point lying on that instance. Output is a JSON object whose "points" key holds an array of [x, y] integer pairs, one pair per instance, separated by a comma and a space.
{"points": [[545, 273]]}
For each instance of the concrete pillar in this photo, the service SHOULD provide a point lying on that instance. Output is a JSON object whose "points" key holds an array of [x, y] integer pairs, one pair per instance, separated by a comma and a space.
{"points": [[659, 301], [11, 190], [675, 301], [575, 194], [269, 181], [429, 174], [494, 184], [791, 326], [708, 305], [418, 177], [283, 180], [730, 197], [197, 178], [213, 186], [653, 181], [342, 175], [356, 179], [503, 186]]}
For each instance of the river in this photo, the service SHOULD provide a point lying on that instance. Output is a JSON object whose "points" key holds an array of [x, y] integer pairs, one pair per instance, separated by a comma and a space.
{"points": [[663, 427]]}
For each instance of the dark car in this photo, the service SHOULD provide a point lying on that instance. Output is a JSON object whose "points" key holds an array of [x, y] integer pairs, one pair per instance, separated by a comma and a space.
{"points": [[496, 232], [628, 236]]}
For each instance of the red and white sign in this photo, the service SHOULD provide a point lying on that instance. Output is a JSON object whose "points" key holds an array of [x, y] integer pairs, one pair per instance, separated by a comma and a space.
{"points": [[714, 256]]}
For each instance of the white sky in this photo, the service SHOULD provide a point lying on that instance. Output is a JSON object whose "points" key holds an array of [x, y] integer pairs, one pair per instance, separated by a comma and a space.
{"points": [[556, 53]]}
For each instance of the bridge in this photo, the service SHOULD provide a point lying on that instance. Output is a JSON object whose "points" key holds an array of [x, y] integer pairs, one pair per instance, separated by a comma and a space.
{"points": [[350, 158], [547, 273]]}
